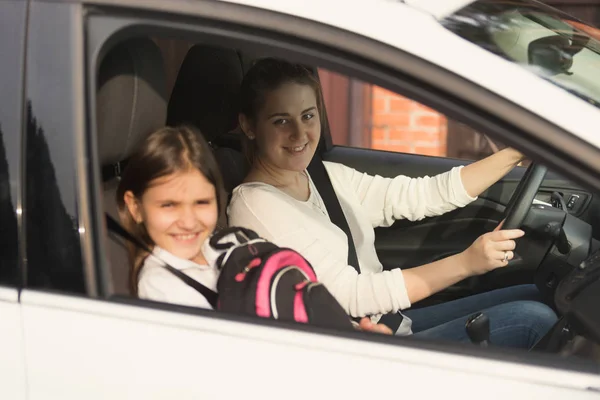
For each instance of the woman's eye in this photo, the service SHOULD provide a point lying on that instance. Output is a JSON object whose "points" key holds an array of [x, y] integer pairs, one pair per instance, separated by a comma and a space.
{"points": [[280, 121], [166, 205], [202, 202], [309, 116]]}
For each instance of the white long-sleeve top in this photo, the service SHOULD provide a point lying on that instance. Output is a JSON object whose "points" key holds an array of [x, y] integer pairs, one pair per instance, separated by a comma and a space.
{"points": [[367, 202]]}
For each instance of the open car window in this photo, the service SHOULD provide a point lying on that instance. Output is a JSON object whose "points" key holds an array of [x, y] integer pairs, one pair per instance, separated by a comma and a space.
{"points": [[542, 40]]}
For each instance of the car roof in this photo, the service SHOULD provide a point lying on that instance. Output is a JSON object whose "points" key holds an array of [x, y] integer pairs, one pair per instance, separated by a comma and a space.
{"points": [[439, 9]]}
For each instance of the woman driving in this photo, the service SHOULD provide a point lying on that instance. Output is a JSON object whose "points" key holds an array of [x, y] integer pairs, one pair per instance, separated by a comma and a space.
{"points": [[280, 117]]}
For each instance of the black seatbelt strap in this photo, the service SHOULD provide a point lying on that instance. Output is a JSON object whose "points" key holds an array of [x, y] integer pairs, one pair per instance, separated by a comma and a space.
{"points": [[210, 295], [322, 182]]}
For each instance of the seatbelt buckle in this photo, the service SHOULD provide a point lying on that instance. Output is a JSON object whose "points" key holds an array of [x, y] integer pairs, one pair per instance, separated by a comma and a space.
{"points": [[117, 170]]}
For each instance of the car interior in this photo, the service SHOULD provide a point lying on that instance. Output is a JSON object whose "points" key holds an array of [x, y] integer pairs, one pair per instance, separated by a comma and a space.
{"points": [[141, 87]]}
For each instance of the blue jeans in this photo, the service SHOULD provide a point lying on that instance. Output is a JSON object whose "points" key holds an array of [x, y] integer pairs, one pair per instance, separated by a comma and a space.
{"points": [[517, 317]]}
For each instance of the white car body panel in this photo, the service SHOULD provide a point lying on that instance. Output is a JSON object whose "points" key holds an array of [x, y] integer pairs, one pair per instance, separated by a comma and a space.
{"points": [[108, 350], [439, 9], [12, 357]]}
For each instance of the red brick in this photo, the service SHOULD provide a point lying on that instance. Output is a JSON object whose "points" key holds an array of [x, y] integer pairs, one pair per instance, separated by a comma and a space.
{"points": [[415, 136], [379, 145], [425, 136], [400, 148], [380, 105], [378, 134], [399, 103], [444, 131], [430, 151], [423, 108], [379, 92], [443, 137], [401, 134], [391, 120], [427, 120], [443, 126]]}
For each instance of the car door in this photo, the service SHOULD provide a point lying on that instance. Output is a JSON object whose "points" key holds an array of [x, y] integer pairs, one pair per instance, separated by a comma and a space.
{"points": [[12, 363], [80, 343]]}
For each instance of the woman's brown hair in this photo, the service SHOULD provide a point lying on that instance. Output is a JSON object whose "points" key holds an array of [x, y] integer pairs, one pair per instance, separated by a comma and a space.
{"points": [[168, 150], [265, 76]]}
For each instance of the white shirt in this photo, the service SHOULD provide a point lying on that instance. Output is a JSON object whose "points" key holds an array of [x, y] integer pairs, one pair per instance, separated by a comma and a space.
{"points": [[157, 283], [367, 202]]}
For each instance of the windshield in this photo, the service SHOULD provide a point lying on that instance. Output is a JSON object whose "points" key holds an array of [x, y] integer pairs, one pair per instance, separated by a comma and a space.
{"points": [[543, 40]]}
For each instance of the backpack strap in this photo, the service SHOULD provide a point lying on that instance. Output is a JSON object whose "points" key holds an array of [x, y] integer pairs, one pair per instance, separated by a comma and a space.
{"points": [[210, 295], [322, 182], [243, 235]]}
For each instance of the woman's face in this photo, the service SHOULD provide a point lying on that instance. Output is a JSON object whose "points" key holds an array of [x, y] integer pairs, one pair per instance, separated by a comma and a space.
{"points": [[287, 128], [179, 212]]}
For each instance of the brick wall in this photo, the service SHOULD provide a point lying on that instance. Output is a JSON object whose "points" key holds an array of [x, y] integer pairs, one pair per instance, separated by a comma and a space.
{"points": [[389, 122], [400, 124]]}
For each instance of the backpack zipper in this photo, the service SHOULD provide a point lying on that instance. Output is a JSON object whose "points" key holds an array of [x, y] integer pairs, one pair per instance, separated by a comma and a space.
{"points": [[240, 276], [274, 311]]}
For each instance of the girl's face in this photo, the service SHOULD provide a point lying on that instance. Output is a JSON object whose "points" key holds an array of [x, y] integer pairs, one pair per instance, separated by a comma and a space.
{"points": [[179, 212], [287, 128]]}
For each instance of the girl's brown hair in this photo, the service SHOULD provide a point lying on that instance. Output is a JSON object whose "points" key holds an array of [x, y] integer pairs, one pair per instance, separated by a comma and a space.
{"points": [[166, 151], [265, 76]]}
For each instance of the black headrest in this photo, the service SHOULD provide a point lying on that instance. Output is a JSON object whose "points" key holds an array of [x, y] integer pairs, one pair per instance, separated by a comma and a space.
{"points": [[206, 93], [131, 99]]}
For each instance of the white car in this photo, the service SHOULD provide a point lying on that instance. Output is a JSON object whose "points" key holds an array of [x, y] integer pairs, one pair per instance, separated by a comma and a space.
{"points": [[83, 80]]}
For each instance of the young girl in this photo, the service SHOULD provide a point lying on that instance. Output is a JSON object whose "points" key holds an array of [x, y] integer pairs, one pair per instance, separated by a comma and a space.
{"points": [[280, 116], [171, 198]]}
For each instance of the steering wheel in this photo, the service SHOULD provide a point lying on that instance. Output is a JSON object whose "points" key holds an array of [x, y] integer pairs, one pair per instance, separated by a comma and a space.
{"points": [[522, 199]]}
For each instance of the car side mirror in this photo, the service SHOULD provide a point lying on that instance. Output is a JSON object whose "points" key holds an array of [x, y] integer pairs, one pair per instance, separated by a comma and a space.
{"points": [[552, 53]]}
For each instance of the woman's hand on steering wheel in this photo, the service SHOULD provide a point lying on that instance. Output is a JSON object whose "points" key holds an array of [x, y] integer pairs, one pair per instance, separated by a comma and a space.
{"points": [[491, 250]]}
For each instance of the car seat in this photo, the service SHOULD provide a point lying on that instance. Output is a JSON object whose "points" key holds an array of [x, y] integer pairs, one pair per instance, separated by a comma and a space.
{"points": [[130, 104], [206, 96]]}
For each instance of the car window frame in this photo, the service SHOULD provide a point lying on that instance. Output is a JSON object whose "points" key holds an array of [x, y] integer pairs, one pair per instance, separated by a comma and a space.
{"points": [[13, 74], [318, 45], [54, 72]]}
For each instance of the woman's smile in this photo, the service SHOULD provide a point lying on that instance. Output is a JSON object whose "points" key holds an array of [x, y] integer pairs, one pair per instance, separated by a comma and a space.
{"points": [[296, 150]]}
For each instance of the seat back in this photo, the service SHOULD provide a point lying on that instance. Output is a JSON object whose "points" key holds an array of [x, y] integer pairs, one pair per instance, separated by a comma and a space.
{"points": [[206, 95], [131, 104]]}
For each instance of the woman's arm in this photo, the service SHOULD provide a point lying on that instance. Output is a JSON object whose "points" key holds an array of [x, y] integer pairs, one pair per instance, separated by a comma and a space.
{"points": [[482, 174], [425, 280], [388, 199], [490, 251]]}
